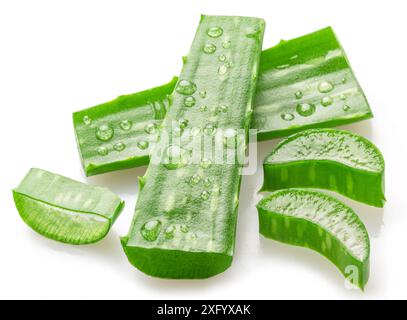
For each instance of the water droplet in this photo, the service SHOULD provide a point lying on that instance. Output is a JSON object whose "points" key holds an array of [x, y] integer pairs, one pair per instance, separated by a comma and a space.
{"points": [[210, 129], [151, 230], [184, 228], [326, 101], [205, 195], [342, 97], [186, 87], [195, 179], [126, 125], [202, 94], [209, 48], [214, 32], [287, 116], [177, 131], [120, 146], [226, 44], [229, 64], [104, 132], [175, 157], [222, 70], [203, 108], [169, 232], [189, 101], [194, 236], [150, 128], [282, 67], [325, 87], [103, 151], [346, 107], [216, 191], [86, 120], [143, 145], [299, 94], [305, 109], [343, 80], [207, 182], [183, 123], [222, 58], [205, 163]]}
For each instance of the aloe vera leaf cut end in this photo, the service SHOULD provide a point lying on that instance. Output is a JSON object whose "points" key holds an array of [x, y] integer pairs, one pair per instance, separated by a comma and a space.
{"points": [[319, 222], [121, 133], [306, 83], [66, 210], [185, 219], [330, 159]]}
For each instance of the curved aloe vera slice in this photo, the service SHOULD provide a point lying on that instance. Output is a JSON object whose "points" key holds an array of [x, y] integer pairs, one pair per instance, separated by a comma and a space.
{"points": [[330, 159], [317, 221], [119, 134], [291, 73], [185, 219], [66, 210]]}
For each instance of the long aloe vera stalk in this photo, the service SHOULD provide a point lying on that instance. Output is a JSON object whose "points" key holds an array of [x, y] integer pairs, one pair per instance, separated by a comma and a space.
{"points": [[303, 83], [185, 219], [66, 210], [317, 221], [330, 159]]}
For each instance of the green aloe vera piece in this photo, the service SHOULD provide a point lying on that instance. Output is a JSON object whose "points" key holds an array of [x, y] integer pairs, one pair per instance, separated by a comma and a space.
{"points": [[319, 222], [185, 219], [66, 210], [291, 76], [330, 159]]}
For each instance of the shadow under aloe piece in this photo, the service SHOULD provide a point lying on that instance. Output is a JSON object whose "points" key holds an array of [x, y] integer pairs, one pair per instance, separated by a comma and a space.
{"points": [[66, 210], [305, 82], [319, 222], [185, 219], [329, 159]]}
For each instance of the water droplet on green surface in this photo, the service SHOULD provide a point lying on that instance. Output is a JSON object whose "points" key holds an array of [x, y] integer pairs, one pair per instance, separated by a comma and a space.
{"points": [[194, 236], [343, 80], [207, 182], [195, 179], [214, 32], [151, 230], [325, 87], [209, 48], [120, 146], [150, 128], [287, 116], [169, 232], [175, 157], [226, 44], [205, 195], [222, 70], [86, 120], [104, 132], [342, 97], [203, 108], [183, 123], [189, 101], [126, 125], [326, 101], [103, 151], [305, 109], [186, 87], [143, 145], [299, 94], [346, 107], [202, 94], [210, 129], [222, 58]]}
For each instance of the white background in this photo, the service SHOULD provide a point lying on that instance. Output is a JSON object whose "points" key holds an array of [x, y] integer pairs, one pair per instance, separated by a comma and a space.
{"points": [[57, 57]]}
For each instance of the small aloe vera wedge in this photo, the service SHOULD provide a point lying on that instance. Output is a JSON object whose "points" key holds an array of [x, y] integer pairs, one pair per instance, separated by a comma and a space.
{"points": [[329, 159], [303, 83], [185, 219], [119, 134], [319, 222], [66, 210]]}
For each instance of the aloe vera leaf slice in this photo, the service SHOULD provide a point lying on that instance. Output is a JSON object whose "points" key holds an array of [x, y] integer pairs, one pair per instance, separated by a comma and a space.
{"points": [[306, 83], [120, 134], [66, 210], [308, 59], [329, 159], [319, 222], [185, 219]]}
